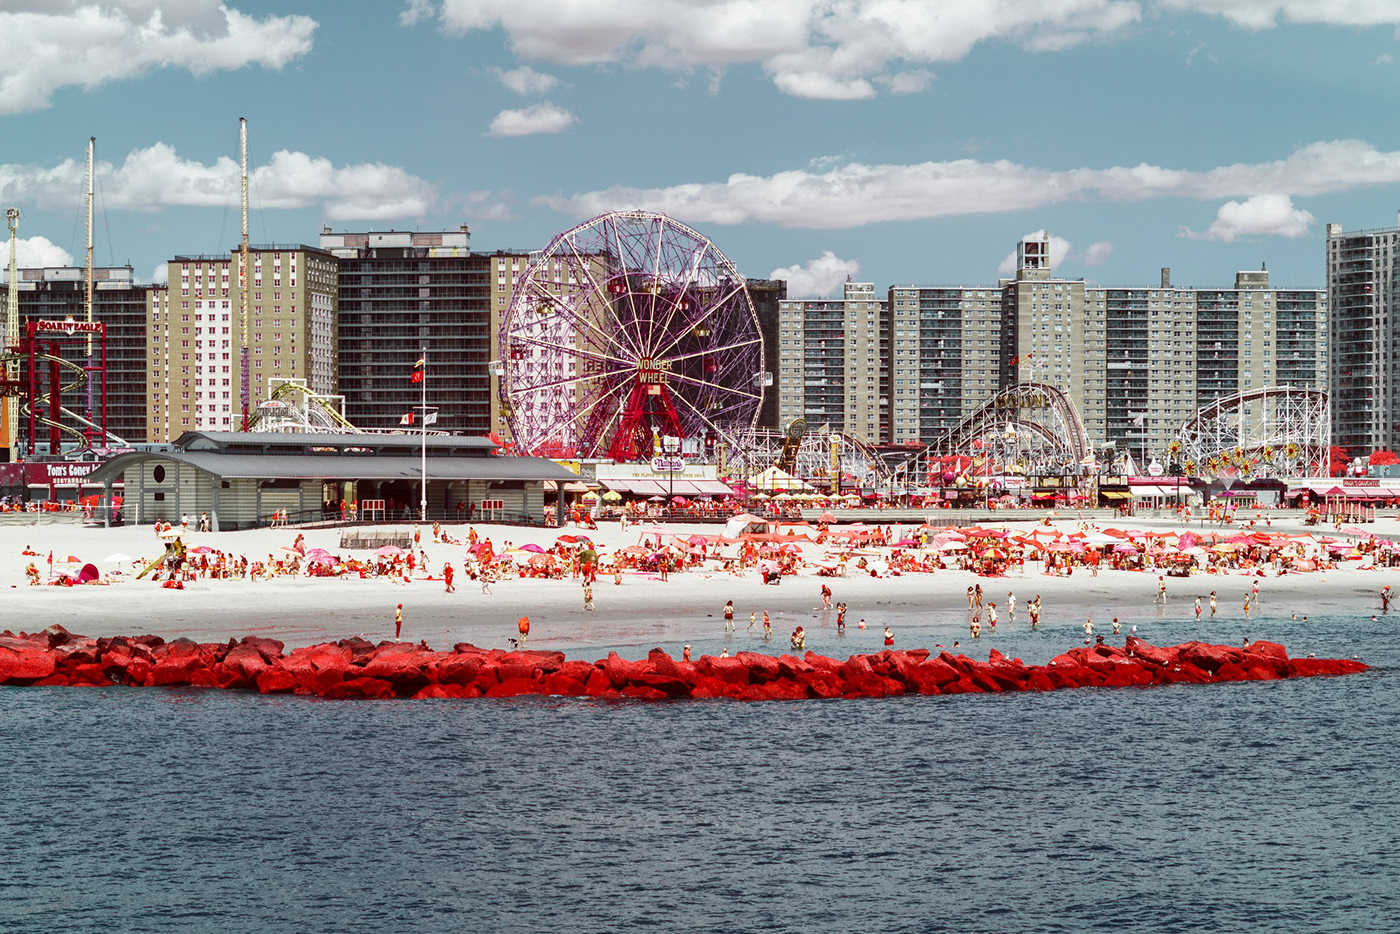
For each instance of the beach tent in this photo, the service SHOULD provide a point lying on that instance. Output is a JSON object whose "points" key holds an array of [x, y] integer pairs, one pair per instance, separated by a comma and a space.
{"points": [[775, 479], [745, 523], [88, 573]]}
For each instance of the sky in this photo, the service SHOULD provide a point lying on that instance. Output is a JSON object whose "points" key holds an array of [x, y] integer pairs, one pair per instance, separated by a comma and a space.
{"points": [[894, 141]]}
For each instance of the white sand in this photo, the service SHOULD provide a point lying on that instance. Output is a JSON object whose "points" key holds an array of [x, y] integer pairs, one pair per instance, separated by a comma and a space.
{"points": [[642, 612]]}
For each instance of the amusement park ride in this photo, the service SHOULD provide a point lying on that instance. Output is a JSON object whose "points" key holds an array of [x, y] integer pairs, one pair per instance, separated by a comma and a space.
{"points": [[36, 374]]}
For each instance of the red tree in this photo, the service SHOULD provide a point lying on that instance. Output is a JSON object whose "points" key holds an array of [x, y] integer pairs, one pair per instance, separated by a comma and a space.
{"points": [[1336, 460], [1383, 457]]}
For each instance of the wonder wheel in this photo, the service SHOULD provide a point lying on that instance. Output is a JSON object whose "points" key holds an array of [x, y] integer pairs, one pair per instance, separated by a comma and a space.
{"points": [[627, 329]]}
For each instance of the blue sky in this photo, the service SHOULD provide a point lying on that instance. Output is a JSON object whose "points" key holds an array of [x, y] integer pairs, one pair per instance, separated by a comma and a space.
{"points": [[898, 141]]}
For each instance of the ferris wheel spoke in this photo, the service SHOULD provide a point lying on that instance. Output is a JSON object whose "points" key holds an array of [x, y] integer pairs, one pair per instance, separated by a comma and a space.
{"points": [[691, 272], [622, 264], [574, 416], [709, 313], [567, 310], [574, 350], [714, 350], [702, 382], [602, 294], [702, 416], [555, 384]]}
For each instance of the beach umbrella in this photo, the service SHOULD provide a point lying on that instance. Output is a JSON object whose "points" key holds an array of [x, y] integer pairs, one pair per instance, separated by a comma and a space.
{"points": [[996, 554], [590, 497], [88, 573], [826, 517], [201, 550], [320, 559], [385, 551], [532, 547], [611, 496], [1125, 548], [573, 538], [118, 558]]}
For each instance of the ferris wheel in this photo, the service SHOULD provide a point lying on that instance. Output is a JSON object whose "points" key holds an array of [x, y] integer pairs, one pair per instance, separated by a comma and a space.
{"points": [[626, 329]]}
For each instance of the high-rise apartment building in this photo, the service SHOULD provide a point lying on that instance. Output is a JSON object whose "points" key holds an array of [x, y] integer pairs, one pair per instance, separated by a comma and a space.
{"points": [[766, 295], [829, 362], [194, 334], [943, 357], [1137, 361], [60, 292], [1361, 280], [402, 292]]}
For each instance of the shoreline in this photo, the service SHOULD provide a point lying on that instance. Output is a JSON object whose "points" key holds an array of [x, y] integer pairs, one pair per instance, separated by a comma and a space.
{"points": [[643, 612]]}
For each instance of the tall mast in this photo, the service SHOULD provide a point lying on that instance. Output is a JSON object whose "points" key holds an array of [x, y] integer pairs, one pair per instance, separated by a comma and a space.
{"points": [[87, 276], [12, 216], [246, 282]]}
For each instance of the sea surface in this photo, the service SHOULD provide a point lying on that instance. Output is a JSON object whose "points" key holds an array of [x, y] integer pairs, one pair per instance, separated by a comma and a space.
{"points": [[1233, 808]]}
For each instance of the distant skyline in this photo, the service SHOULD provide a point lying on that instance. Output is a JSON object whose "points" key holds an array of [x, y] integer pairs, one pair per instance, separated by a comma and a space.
{"points": [[898, 142]]}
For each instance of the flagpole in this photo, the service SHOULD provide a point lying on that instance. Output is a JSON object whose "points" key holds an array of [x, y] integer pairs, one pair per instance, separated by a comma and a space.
{"points": [[423, 503]]}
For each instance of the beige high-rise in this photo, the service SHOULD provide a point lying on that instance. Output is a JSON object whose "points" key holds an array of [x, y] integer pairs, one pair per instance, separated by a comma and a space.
{"points": [[194, 338]]}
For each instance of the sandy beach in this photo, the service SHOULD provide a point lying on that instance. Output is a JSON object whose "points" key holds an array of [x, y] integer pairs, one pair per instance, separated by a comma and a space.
{"points": [[925, 609]]}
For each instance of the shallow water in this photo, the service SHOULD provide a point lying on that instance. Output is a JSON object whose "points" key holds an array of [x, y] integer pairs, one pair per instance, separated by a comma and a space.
{"points": [[1236, 807]]}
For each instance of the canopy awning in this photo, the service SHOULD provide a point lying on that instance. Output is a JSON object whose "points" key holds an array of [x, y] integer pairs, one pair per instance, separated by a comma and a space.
{"points": [[681, 487]]}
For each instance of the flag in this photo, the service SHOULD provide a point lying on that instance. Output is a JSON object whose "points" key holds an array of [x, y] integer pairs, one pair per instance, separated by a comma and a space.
{"points": [[407, 419], [1015, 360], [419, 369], [430, 418]]}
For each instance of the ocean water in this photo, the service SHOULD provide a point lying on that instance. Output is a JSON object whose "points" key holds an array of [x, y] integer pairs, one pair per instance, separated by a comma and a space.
{"points": [[1237, 807]]}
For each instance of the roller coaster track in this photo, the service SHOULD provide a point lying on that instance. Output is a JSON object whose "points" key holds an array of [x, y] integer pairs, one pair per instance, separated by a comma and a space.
{"points": [[40, 404], [1064, 427]]}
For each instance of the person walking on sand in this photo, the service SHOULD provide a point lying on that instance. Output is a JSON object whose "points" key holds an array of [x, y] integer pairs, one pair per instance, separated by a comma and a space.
{"points": [[826, 597], [398, 621], [1198, 606], [447, 574], [486, 577], [588, 597], [889, 637], [1161, 590], [523, 627], [1212, 604], [729, 616]]}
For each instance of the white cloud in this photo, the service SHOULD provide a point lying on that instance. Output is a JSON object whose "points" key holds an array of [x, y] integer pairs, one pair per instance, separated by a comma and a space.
{"points": [[1098, 253], [1384, 59], [854, 194], [1262, 215], [841, 50], [52, 44], [415, 10], [157, 177], [1059, 250], [32, 252], [908, 82], [537, 118], [161, 274], [819, 277], [526, 81]]}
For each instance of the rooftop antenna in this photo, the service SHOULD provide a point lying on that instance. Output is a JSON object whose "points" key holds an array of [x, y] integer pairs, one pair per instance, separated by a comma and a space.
{"points": [[12, 216], [243, 265], [89, 199]]}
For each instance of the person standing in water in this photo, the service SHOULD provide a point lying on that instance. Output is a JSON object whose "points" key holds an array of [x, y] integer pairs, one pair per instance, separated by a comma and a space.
{"points": [[729, 616], [1161, 590], [840, 617], [767, 627], [826, 597], [1198, 606], [1033, 609], [889, 637], [1088, 631], [991, 616], [1010, 607], [1212, 604], [1115, 626], [523, 627]]}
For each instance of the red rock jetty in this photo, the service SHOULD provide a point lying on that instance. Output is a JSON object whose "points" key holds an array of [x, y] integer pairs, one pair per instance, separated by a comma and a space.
{"points": [[354, 668]]}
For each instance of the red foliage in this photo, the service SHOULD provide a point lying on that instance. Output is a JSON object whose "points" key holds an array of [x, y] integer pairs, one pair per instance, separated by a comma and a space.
{"points": [[1383, 457]]}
